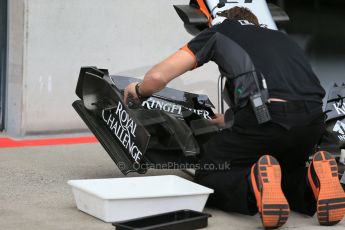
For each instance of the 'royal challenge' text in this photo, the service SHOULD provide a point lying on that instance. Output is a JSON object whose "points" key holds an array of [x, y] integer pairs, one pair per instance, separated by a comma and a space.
{"points": [[123, 127]]}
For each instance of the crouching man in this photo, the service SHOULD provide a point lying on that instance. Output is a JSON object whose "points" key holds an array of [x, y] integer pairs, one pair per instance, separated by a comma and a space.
{"points": [[268, 160]]}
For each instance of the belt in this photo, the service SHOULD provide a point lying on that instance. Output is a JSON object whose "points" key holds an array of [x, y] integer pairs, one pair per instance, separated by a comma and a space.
{"points": [[294, 106]]}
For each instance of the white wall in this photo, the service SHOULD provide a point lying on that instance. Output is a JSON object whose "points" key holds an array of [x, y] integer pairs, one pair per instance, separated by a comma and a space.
{"points": [[60, 36]]}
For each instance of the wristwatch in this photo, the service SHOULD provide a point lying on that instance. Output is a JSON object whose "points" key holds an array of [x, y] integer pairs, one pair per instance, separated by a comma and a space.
{"points": [[137, 91]]}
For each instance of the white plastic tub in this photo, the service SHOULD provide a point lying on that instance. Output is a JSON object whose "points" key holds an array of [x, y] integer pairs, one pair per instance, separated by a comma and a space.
{"points": [[121, 199]]}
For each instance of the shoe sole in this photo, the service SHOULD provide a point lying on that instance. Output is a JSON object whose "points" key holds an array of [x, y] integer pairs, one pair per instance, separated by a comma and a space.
{"points": [[331, 198], [274, 206]]}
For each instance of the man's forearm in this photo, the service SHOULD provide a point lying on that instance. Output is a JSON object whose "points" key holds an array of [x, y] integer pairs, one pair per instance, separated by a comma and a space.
{"points": [[161, 74], [152, 83]]}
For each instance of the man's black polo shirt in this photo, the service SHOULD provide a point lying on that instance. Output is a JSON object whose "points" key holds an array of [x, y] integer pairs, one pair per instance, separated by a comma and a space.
{"points": [[238, 47]]}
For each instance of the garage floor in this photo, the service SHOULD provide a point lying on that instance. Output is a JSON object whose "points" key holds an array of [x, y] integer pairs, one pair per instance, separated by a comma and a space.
{"points": [[34, 194]]}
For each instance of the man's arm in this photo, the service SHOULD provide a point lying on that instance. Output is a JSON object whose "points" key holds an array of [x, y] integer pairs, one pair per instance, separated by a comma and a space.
{"points": [[161, 74]]}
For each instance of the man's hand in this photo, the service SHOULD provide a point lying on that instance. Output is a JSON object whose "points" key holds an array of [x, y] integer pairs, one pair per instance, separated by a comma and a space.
{"points": [[130, 92], [218, 120]]}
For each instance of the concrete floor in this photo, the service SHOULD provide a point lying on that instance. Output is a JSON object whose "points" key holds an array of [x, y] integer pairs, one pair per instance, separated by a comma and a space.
{"points": [[34, 194]]}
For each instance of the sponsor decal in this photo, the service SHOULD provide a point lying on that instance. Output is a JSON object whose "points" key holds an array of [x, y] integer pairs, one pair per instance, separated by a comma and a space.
{"points": [[153, 103], [340, 129], [340, 108], [124, 128], [245, 22]]}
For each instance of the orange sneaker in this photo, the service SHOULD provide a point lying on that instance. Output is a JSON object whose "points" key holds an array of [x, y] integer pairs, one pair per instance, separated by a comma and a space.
{"points": [[266, 183], [328, 192]]}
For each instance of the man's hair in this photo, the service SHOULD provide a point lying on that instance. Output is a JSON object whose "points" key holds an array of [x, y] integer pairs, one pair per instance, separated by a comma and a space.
{"points": [[240, 13]]}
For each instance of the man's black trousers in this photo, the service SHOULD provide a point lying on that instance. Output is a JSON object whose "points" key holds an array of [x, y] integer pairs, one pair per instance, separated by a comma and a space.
{"points": [[291, 138]]}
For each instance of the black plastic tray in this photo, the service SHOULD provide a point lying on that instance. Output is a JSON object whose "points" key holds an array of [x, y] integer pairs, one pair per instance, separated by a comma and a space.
{"points": [[181, 220]]}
